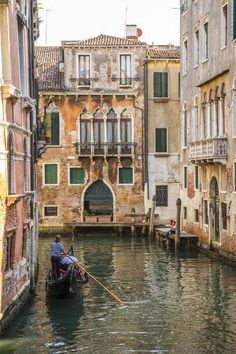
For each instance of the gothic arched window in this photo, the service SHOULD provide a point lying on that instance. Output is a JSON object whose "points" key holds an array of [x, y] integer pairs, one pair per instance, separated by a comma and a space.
{"points": [[126, 130], [98, 131], [10, 164], [112, 131]]}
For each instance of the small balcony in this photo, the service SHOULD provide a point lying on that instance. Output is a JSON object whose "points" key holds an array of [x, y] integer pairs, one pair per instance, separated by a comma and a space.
{"points": [[212, 150], [105, 149]]}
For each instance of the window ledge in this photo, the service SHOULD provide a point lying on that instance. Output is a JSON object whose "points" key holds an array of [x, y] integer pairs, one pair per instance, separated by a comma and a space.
{"points": [[161, 100], [222, 48], [196, 65], [205, 60], [126, 86], [161, 154]]}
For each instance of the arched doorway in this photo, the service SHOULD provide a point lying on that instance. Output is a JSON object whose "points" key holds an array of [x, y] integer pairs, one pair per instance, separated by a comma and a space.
{"points": [[214, 210], [98, 199]]}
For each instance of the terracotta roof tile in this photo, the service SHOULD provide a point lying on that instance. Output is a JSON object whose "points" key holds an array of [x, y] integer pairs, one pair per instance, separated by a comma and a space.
{"points": [[164, 53], [47, 62], [103, 40]]}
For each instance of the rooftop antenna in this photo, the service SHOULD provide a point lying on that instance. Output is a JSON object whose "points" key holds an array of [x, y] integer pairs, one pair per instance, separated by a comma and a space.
{"points": [[126, 10]]}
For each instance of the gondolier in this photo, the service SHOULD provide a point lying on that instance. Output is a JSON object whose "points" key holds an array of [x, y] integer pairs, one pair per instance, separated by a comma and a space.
{"points": [[57, 251]]}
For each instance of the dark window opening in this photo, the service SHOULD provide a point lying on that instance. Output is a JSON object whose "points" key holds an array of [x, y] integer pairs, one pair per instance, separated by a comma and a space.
{"points": [[162, 195]]}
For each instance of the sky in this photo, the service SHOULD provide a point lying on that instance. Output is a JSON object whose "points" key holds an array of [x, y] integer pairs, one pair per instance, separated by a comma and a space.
{"points": [[81, 19]]}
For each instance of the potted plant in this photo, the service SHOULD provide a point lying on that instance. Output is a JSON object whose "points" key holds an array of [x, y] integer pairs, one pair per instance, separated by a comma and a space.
{"points": [[89, 218]]}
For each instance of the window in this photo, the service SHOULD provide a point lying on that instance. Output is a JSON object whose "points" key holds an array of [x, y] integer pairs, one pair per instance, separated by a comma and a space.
{"points": [[125, 131], [206, 41], [235, 176], [98, 131], [50, 174], [161, 140], [161, 84], [26, 169], [206, 218], [50, 211], [52, 127], [185, 213], [204, 118], [185, 177], [196, 215], [24, 243], [217, 112], [10, 163], [185, 128], [85, 130], [125, 175], [196, 47], [204, 177], [76, 175], [179, 83], [234, 19], [196, 177], [9, 254], [223, 107], [22, 49], [162, 196], [84, 70], [125, 70], [196, 120], [223, 178], [224, 215], [112, 131], [224, 25], [185, 56]]}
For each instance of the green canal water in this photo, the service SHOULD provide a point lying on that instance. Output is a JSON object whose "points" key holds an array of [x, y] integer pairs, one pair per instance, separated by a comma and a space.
{"points": [[173, 303]]}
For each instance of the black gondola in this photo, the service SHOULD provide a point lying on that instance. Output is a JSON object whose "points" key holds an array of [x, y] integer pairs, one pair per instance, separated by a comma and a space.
{"points": [[68, 283]]}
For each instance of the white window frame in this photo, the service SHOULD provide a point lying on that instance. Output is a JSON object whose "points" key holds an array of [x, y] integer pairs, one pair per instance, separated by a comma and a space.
{"points": [[185, 56], [58, 174], [224, 23], [124, 184], [185, 168], [196, 47], [50, 206], [90, 69], [131, 68], [75, 184], [205, 41]]}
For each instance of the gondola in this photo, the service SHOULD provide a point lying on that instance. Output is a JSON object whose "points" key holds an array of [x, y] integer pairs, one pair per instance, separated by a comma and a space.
{"points": [[69, 282]]}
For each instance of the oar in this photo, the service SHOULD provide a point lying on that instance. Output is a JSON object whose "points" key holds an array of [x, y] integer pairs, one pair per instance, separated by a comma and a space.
{"points": [[103, 286], [97, 281]]}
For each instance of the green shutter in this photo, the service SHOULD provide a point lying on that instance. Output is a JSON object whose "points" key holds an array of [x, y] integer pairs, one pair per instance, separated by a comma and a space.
{"points": [[196, 177], [125, 175], [234, 19], [161, 140], [76, 175], [50, 174], [55, 128], [160, 84]]}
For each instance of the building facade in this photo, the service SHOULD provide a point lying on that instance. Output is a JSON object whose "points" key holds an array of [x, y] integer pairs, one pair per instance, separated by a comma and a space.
{"points": [[18, 217], [208, 104], [91, 130], [162, 109]]}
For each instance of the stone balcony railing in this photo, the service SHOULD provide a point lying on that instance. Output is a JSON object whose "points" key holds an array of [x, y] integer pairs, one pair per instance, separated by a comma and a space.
{"points": [[209, 150], [105, 149]]}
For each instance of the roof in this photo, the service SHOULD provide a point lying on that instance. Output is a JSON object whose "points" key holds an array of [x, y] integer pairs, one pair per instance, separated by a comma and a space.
{"points": [[164, 53], [47, 61], [104, 41]]}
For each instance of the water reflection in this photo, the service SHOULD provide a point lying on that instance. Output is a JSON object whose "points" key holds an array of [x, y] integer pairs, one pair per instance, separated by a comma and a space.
{"points": [[173, 303]]}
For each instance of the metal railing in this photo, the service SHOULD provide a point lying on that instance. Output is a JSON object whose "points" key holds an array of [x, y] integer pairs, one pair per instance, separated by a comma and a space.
{"points": [[105, 149]]}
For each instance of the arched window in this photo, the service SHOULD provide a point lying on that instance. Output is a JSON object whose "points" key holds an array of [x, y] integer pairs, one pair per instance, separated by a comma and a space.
{"points": [[217, 111], [112, 131], [204, 117], [196, 120], [26, 184], [98, 131], [223, 94], [10, 164], [126, 131], [85, 131], [52, 134], [210, 102], [185, 125]]}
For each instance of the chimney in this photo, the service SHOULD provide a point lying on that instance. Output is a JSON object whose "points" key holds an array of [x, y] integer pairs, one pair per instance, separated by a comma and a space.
{"points": [[133, 32]]}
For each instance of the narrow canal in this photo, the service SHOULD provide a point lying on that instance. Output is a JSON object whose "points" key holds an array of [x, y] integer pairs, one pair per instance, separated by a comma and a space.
{"points": [[174, 303]]}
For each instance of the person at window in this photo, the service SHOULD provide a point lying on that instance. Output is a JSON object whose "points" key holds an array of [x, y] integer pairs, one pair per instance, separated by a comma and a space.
{"points": [[57, 251]]}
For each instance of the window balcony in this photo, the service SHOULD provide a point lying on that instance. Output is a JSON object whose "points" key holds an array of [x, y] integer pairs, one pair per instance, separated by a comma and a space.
{"points": [[213, 150], [105, 149]]}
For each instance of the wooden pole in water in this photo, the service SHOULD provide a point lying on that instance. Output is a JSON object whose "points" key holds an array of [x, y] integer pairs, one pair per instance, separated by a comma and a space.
{"points": [[177, 231], [152, 216]]}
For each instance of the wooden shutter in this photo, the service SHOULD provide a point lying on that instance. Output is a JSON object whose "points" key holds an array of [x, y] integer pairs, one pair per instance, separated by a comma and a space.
{"points": [[161, 84], [125, 175], [76, 175], [55, 128], [50, 174], [161, 140]]}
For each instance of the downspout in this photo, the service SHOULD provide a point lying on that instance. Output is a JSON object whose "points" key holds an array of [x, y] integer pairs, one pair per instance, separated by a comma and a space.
{"points": [[146, 124]]}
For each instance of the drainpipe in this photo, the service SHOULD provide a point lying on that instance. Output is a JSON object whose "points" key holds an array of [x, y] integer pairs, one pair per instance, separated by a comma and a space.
{"points": [[142, 140], [146, 124]]}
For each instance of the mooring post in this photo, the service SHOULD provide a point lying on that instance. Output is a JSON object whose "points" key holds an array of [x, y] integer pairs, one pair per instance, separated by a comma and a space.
{"points": [[152, 216], [177, 231]]}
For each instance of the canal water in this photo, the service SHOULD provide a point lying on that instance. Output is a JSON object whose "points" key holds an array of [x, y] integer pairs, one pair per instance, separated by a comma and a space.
{"points": [[173, 303]]}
